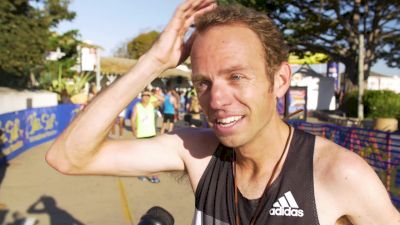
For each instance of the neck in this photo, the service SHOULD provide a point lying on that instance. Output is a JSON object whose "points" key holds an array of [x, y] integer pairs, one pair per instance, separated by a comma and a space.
{"points": [[259, 156]]}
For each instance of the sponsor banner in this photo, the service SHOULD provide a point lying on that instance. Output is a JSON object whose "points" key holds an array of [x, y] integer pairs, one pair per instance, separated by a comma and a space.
{"points": [[333, 71], [22, 130], [296, 101]]}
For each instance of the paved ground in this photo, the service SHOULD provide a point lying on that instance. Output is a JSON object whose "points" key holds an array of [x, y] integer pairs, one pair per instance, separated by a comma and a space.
{"points": [[34, 190]]}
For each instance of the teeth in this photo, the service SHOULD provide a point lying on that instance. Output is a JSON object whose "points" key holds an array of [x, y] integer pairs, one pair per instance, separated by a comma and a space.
{"points": [[229, 120]]}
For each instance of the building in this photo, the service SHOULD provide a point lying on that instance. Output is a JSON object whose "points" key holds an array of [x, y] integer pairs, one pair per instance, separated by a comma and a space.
{"points": [[377, 81]]}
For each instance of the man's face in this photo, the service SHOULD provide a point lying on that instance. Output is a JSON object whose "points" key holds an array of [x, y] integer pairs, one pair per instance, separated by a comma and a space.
{"points": [[145, 98], [230, 77]]}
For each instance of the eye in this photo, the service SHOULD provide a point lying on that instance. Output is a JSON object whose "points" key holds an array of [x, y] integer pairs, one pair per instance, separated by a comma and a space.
{"points": [[201, 85], [236, 76]]}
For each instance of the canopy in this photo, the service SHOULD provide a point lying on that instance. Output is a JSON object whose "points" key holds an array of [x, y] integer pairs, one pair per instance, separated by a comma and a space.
{"points": [[120, 66], [308, 58]]}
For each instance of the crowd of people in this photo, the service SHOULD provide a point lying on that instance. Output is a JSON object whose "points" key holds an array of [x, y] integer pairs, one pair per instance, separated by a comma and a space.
{"points": [[170, 106]]}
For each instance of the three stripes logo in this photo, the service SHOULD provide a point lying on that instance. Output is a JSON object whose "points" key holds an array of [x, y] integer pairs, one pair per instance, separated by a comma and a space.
{"points": [[286, 206]]}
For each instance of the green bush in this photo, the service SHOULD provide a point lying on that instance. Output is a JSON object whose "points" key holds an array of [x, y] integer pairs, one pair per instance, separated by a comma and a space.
{"points": [[381, 104], [377, 103]]}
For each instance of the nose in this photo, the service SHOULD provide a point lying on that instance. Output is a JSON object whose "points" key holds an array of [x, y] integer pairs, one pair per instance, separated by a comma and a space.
{"points": [[219, 96]]}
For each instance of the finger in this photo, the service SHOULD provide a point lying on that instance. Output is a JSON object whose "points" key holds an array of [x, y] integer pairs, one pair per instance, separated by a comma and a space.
{"points": [[186, 10], [190, 21], [187, 48], [193, 5], [205, 9], [182, 21], [198, 7], [179, 16]]}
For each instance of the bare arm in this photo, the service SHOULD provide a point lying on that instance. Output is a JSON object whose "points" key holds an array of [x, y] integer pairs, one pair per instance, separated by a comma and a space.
{"points": [[84, 147], [174, 102], [346, 185], [368, 201]]}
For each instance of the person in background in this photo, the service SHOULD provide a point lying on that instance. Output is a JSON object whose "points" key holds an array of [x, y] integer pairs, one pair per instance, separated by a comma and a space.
{"points": [[143, 124], [194, 113], [130, 107], [182, 104], [157, 98], [170, 106], [120, 123], [178, 103]]}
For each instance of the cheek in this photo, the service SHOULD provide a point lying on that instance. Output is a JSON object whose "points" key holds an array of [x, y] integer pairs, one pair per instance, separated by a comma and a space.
{"points": [[264, 104], [257, 95]]}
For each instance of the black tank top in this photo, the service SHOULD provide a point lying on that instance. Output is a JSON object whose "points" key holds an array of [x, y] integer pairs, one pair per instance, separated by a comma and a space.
{"points": [[289, 201]]}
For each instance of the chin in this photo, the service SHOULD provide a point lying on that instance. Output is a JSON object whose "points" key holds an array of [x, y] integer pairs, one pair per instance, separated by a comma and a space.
{"points": [[231, 141]]}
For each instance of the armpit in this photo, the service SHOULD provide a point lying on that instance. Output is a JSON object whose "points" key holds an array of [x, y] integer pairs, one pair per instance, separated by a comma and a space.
{"points": [[343, 221]]}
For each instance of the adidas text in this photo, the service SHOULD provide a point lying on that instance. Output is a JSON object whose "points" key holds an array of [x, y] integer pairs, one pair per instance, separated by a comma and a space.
{"points": [[286, 212], [286, 206]]}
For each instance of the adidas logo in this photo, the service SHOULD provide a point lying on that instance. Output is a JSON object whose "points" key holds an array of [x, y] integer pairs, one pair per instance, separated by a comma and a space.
{"points": [[286, 206]]}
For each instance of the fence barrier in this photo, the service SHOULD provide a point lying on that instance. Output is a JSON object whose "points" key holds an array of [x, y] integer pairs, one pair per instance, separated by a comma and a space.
{"points": [[380, 149], [22, 130]]}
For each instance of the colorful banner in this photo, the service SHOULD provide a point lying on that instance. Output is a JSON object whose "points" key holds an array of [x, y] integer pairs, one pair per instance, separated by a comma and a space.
{"points": [[333, 71], [22, 130], [296, 101], [280, 105]]}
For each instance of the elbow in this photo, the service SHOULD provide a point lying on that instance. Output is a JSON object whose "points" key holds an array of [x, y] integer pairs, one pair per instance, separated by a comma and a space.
{"points": [[58, 161]]}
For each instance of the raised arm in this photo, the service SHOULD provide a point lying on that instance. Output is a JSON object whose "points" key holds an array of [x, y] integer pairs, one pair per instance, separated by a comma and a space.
{"points": [[83, 148]]}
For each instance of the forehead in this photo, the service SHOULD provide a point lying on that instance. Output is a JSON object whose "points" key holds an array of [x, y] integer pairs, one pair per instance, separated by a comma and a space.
{"points": [[233, 44]]}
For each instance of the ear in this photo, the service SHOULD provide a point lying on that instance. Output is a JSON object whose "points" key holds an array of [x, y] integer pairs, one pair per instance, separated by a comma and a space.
{"points": [[282, 80]]}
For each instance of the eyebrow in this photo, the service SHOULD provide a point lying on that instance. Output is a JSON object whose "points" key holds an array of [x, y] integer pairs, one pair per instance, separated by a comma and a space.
{"points": [[230, 69], [227, 70]]}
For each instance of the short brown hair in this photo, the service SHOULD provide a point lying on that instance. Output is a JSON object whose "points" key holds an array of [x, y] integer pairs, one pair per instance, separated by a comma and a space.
{"points": [[275, 48]]}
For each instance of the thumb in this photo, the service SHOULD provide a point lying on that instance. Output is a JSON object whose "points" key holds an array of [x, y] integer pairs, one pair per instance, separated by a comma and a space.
{"points": [[187, 48]]}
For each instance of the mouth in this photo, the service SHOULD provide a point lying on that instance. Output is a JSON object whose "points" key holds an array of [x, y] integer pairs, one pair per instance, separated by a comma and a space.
{"points": [[228, 121]]}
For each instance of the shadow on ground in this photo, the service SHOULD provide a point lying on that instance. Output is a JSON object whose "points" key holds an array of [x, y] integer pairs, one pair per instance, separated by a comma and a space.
{"points": [[48, 205]]}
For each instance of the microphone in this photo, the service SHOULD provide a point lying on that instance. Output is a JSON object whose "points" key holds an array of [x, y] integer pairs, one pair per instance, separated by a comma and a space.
{"points": [[157, 216]]}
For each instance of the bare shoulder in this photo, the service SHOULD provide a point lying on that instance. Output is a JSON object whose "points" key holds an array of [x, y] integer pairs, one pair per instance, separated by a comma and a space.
{"points": [[333, 163], [198, 147], [197, 142], [345, 185]]}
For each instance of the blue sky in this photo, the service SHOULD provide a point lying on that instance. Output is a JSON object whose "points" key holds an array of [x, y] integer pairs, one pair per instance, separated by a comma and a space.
{"points": [[110, 23]]}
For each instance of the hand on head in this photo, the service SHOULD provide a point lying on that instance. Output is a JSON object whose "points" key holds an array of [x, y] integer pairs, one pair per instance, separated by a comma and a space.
{"points": [[170, 49]]}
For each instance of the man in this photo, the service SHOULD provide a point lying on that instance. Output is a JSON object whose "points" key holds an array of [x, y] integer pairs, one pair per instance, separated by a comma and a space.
{"points": [[170, 107], [143, 123], [251, 168]]}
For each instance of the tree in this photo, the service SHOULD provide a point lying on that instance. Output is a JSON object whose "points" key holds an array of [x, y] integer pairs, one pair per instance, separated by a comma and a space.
{"points": [[141, 44], [25, 34], [333, 27], [53, 70]]}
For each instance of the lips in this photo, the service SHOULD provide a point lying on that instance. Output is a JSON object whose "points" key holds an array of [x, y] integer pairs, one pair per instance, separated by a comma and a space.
{"points": [[228, 121]]}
